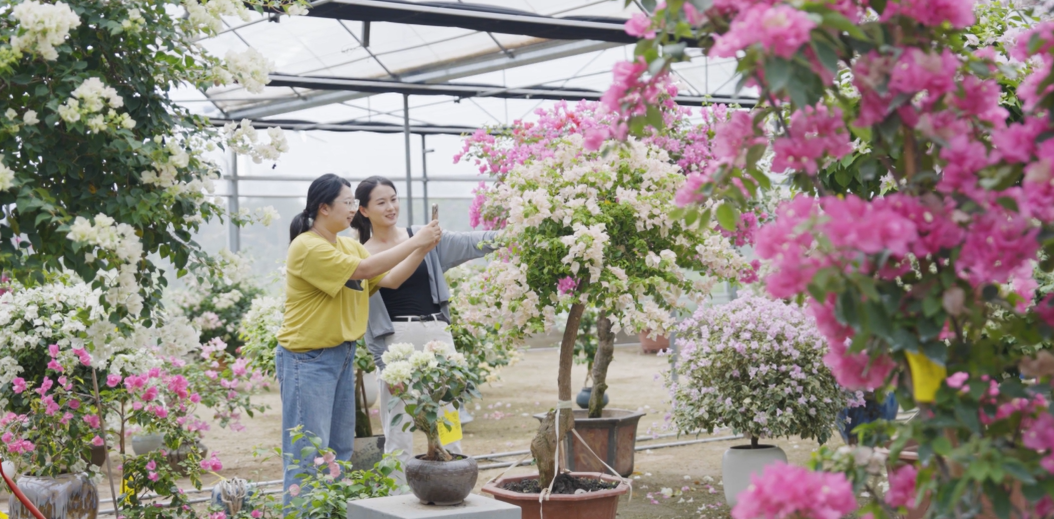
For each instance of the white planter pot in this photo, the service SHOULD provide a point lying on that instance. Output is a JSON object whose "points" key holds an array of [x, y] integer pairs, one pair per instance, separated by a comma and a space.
{"points": [[740, 462], [370, 381], [144, 443], [9, 470]]}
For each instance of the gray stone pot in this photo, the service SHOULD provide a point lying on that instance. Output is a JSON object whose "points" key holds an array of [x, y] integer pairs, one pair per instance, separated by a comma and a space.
{"points": [[442, 483], [367, 452], [740, 462], [67, 496], [144, 443]]}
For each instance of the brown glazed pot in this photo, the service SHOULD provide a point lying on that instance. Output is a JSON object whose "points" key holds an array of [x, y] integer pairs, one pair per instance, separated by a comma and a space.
{"points": [[66, 496], [613, 437], [442, 483], [659, 343], [602, 504]]}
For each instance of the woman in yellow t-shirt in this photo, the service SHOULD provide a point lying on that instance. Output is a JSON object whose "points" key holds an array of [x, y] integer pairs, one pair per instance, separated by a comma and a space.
{"points": [[329, 280]]}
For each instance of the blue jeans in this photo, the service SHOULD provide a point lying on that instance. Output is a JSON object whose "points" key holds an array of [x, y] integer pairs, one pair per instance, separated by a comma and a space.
{"points": [[318, 393]]}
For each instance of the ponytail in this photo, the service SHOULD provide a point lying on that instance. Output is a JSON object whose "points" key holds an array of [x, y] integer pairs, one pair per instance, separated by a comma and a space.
{"points": [[365, 188], [324, 190]]}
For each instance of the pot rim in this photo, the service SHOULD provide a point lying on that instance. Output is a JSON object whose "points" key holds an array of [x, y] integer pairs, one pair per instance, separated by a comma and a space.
{"points": [[494, 488], [761, 447], [457, 457], [631, 416]]}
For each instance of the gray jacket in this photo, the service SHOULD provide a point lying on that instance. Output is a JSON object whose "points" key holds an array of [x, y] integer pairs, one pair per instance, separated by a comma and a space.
{"points": [[454, 249]]}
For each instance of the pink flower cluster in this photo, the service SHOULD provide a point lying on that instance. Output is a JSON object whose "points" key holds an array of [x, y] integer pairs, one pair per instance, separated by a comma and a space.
{"points": [[1038, 435], [813, 133], [902, 487], [746, 228], [855, 371], [958, 13], [566, 285], [779, 29], [783, 491]]}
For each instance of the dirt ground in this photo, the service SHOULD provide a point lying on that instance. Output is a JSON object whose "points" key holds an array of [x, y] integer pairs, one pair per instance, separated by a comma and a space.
{"points": [[503, 422]]}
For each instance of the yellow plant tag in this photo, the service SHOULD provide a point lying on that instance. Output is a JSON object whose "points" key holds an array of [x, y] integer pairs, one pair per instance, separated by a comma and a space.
{"points": [[3, 515], [453, 434], [926, 376]]}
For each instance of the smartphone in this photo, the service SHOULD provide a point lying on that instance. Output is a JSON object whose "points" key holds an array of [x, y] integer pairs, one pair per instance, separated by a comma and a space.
{"points": [[435, 211]]}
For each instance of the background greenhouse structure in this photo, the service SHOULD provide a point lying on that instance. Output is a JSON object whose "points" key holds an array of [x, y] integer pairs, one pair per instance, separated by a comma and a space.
{"points": [[372, 87]]}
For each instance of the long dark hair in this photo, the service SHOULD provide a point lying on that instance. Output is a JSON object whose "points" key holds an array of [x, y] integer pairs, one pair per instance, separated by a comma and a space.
{"points": [[323, 190], [362, 193]]}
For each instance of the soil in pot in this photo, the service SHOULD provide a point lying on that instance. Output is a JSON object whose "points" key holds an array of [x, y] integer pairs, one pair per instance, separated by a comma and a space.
{"points": [[562, 484]]}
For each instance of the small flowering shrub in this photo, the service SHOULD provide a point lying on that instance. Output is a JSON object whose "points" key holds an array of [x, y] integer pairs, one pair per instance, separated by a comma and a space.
{"points": [[323, 491], [754, 365], [225, 384], [218, 303], [425, 380], [259, 332], [484, 354]]}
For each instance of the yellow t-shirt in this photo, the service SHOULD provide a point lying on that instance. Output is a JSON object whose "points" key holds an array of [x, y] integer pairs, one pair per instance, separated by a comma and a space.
{"points": [[321, 310]]}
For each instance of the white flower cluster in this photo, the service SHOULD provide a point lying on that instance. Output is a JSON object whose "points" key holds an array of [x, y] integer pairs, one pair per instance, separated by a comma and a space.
{"points": [[135, 21], [227, 299], [45, 26], [235, 268], [267, 215], [250, 68], [586, 245], [404, 363], [167, 168], [7, 175], [88, 102], [244, 140], [29, 118], [120, 238], [207, 16]]}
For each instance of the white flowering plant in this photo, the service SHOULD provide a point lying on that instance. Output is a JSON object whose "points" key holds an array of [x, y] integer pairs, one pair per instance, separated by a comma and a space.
{"points": [[87, 103], [425, 380], [754, 365], [217, 301], [259, 332], [485, 354]]}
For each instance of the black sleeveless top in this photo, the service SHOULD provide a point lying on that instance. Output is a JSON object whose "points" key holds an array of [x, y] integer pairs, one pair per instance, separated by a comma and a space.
{"points": [[414, 297]]}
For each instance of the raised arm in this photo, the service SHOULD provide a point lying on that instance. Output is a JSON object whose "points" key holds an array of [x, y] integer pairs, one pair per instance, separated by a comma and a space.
{"points": [[379, 263]]}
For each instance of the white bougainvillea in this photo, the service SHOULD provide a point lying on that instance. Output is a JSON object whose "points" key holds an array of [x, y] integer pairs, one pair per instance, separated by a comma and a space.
{"points": [[42, 27]]}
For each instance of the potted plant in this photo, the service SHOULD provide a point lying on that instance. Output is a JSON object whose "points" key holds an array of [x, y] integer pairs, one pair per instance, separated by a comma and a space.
{"points": [[218, 302], [425, 381], [369, 448], [584, 229], [754, 365]]}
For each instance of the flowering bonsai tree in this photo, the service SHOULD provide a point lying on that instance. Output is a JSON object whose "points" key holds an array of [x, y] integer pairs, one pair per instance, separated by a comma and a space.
{"points": [[425, 381], [217, 304], [584, 228], [933, 119], [755, 365]]}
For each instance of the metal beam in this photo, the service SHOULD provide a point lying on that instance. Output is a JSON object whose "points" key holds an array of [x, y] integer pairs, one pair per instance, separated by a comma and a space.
{"points": [[476, 17], [439, 73], [296, 125], [463, 90]]}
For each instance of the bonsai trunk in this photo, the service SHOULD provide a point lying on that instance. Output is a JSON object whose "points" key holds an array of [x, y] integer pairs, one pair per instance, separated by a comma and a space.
{"points": [[363, 427], [605, 351], [543, 447], [436, 452], [753, 442]]}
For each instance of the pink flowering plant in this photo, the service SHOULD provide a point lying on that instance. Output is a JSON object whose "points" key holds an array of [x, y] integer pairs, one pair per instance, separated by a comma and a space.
{"points": [[323, 490], [754, 365], [919, 133], [224, 383], [584, 223]]}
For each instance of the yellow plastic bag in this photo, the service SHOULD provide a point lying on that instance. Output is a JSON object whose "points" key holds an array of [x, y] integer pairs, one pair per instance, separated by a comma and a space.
{"points": [[926, 376], [453, 434]]}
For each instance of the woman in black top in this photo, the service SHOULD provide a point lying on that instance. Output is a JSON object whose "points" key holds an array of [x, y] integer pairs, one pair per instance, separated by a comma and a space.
{"points": [[416, 312]]}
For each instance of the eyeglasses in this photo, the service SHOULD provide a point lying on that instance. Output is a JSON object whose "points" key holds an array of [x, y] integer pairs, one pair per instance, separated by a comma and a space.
{"points": [[351, 202]]}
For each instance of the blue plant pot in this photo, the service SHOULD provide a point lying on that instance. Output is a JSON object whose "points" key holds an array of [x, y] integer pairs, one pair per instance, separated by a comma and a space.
{"points": [[871, 410], [583, 397]]}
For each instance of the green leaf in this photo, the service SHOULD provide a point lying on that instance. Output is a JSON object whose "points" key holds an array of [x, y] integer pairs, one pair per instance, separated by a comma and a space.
{"points": [[840, 22], [967, 416], [827, 55], [777, 73], [727, 216]]}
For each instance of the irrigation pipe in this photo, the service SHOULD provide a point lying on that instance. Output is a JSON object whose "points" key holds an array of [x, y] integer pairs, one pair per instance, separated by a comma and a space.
{"points": [[638, 448]]}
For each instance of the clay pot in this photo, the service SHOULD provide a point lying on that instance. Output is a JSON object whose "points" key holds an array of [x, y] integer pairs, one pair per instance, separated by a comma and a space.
{"points": [[367, 452], [648, 345], [442, 483], [175, 459], [583, 397], [66, 496], [740, 462], [98, 455], [602, 504]]}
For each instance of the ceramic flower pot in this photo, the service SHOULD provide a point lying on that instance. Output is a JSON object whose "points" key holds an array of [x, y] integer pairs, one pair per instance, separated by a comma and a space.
{"points": [[176, 459], [649, 345], [583, 397], [144, 443], [612, 437], [601, 504], [740, 462], [367, 452], [369, 381], [442, 483], [67, 496], [872, 410]]}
